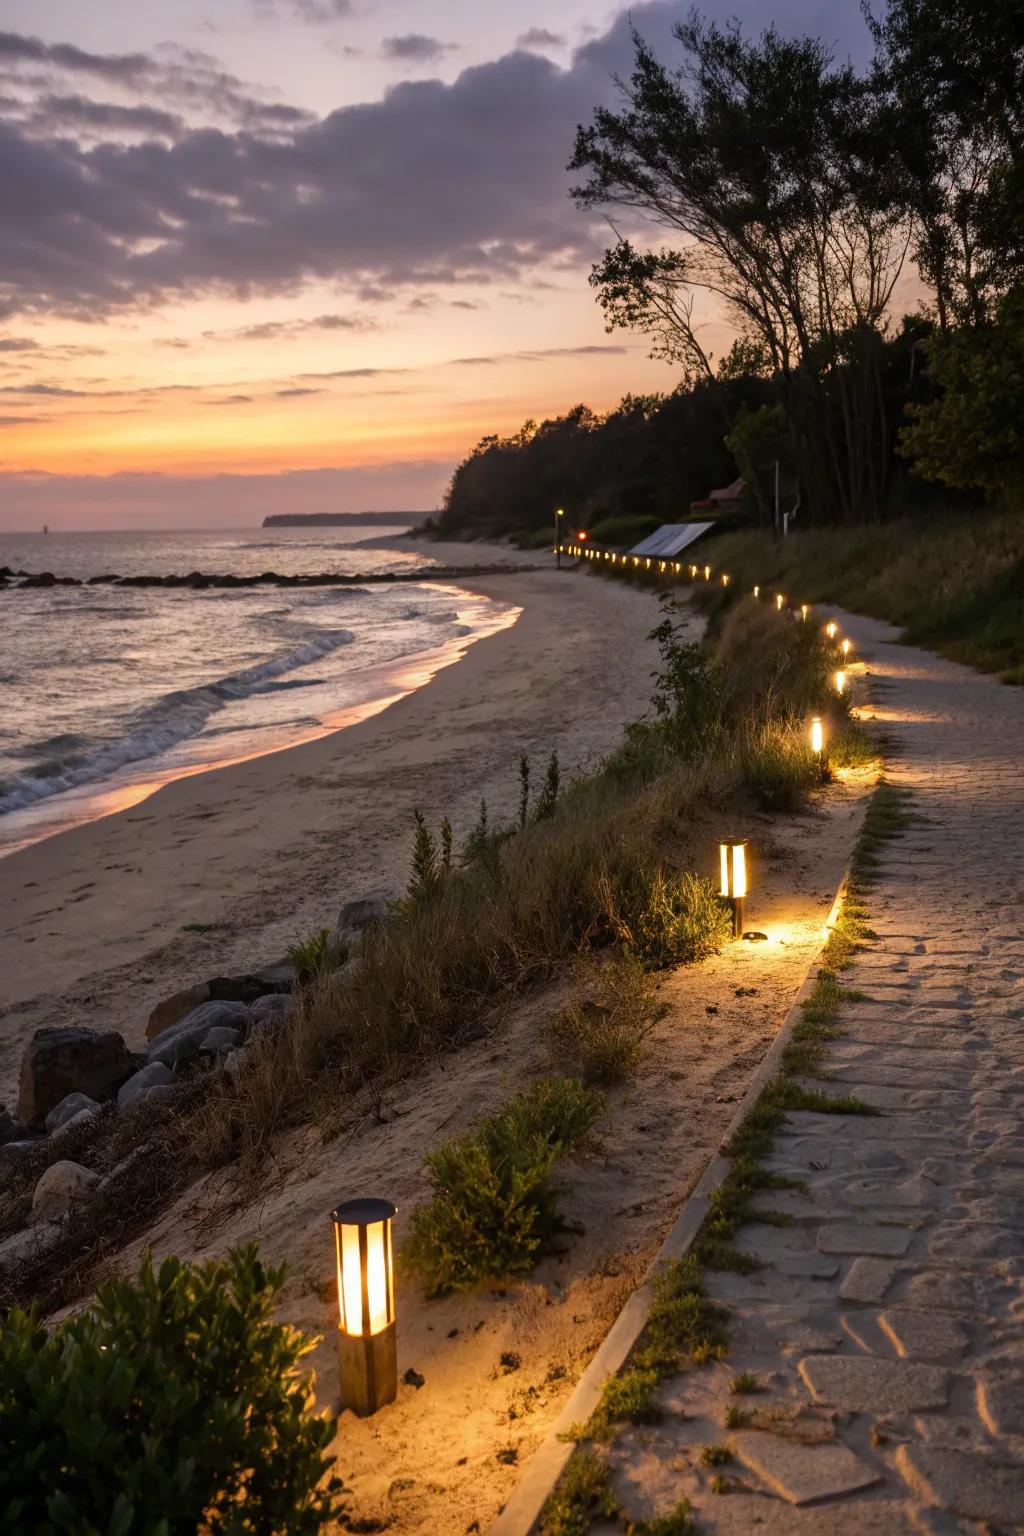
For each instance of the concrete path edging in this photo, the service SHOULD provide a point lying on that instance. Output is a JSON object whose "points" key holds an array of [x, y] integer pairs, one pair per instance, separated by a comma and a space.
{"points": [[541, 1473]]}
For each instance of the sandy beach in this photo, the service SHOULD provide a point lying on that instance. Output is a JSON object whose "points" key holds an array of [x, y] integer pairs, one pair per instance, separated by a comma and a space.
{"points": [[262, 852]]}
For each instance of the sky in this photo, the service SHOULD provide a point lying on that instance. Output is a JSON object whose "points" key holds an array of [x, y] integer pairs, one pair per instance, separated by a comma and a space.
{"points": [[300, 255]]}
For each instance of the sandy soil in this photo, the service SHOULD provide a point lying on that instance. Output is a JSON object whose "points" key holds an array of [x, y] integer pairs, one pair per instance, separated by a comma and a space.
{"points": [[91, 920], [499, 1363]]}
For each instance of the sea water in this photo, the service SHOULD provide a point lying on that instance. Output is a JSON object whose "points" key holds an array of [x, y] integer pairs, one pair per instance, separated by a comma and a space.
{"points": [[107, 692]]}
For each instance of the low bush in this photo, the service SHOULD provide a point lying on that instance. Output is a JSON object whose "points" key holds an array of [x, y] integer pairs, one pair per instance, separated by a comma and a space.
{"points": [[777, 766], [493, 1212], [172, 1404], [602, 1032], [310, 957], [666, 919]]}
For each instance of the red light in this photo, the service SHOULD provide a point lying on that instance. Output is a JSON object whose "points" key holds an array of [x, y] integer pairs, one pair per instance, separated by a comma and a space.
{"points": [[581, 535]]}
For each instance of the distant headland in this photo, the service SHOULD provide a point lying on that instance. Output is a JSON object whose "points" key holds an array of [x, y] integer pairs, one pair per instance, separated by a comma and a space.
{"points": [[339, 519]]}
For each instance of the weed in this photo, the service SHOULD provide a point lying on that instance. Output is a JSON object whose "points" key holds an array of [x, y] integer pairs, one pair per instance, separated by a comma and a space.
{"points": [[493, 1213], [584, 1493], [201, 927], [310, 957], [718, 1483], [679, 1522], [736, 1417], [548, 798], [744, 1384], [602, 1032], [629, 1397], [524, 791], [716, 1455], [665, 920]]}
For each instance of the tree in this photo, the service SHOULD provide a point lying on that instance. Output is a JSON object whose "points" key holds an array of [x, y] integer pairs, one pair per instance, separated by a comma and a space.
{"points": [[770, 166], [973, 433]]}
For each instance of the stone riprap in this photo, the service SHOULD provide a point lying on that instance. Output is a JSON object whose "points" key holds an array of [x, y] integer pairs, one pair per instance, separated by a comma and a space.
{"points": [[886, 1326]]}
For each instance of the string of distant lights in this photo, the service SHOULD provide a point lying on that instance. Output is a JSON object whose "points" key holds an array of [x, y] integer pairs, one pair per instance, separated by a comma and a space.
{"points": [[585, 551]]}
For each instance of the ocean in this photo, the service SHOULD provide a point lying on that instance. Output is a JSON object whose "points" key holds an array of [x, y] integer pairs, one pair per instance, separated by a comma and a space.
{"points": [[106, 693]]}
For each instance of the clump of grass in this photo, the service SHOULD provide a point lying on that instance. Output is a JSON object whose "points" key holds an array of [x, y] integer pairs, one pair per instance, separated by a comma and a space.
{"points": [[311, 957], [715, 1455], [665, 920], [602, 1033], [719, 1483], [678, 1522], [778, 766], [584, 1493], [630, 1397], [746, 1383], [493, 1211], [736, 1417]]}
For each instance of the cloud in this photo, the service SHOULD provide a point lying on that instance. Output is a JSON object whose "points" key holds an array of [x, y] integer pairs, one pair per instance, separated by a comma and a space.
{"points": [[295, 392], [271, 330], [539, 355], [435, 186], [416, 48], [233, 400], [19, 421], [17, 344], [99, 117], [540, 37], [317, 12]]}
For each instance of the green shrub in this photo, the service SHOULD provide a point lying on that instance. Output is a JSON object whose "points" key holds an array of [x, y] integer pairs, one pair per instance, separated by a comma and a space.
{"points": [[493, 1213], [310, 957], [584, 1493], [602, 1032], [778, 766], [170, 1405], [668, 919]]}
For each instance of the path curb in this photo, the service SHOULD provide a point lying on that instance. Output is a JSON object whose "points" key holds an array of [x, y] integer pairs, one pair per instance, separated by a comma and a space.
{"points": [[522, 1511]]}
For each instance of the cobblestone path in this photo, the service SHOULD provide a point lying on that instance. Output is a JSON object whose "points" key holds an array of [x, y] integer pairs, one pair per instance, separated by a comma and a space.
{"points": [[886, 1329]]}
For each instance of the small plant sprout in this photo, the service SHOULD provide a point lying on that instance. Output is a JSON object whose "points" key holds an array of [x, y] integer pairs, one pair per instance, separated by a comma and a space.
{"points": [[367, 1356], [524, 790], [716, 1455], [744, 1384], [732, 856]]}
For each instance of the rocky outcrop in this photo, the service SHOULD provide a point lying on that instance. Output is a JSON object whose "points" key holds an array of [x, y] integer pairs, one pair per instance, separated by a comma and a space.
{"points": [[181, 1042], [244, 988], [66, 1060]]}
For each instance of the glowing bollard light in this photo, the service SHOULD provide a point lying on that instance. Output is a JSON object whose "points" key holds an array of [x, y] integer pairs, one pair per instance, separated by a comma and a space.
{"points": [[830, 629], [779, 600], [693, 572], [677, 567], [846, 647], [803, 611], [840, 681], [367, 1354], [818, 746], [661, 566], [725, 580], [757, 591], [648, 565], [707, 573], [733, 860]]}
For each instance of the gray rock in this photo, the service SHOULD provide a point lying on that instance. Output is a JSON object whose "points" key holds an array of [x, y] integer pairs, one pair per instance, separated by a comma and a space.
{"points": [[60, 1187], [157, 1092], [245, 988], [135, 1089], [30, 1243], [269, 1013], [804, 1474], [237, 1061], [69, 1108], [76, 1122], [10, 1130], [14, 1153], [221, 1038], [177, 1044], [365, 912], [276, 978], [70, 1060], [174, 1008]]}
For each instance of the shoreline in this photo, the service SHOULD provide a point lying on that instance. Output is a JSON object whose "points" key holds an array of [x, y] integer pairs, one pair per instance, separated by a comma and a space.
{"points": [[254, 855], [387, 683]]}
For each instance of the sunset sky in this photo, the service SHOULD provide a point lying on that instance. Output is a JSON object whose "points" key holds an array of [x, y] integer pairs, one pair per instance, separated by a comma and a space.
{"points": [[286, 255]]}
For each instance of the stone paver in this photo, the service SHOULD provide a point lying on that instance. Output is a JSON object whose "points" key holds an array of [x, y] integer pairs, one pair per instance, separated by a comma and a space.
{"points": [[889, 1316]]}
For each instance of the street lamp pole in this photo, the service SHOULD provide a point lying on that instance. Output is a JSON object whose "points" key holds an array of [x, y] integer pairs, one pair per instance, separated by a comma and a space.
{"points": [[559, 512]]}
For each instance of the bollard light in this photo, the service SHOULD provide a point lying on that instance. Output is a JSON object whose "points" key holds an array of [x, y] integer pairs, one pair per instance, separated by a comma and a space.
{"points": [[803, 610], [840, 682], [757, 591], [846, 647], [725, 579], [648, 564], [693, 572], [831, 628], [367, 1353], [733, 860], [779, 600], [817, 736], [707, 573]]}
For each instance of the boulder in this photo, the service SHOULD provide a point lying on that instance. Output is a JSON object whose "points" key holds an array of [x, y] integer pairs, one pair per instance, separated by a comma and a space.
{"points": [[136, 1088], [221, 1038], [70, 1107], [182, 1041], [82, 1118], [70, 1060], [30, 1243], [175, 1008], [276, 978], [13, 1155], [157, 1092], [269, 1013], [247, 987], [60, 1187], [355, 918], [237, 1061]]}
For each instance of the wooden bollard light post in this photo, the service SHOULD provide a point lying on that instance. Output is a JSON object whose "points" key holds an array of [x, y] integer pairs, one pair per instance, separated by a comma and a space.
{"points": [[367, 1354], [840, 682], [779, 600], [846, 648], [818, 746], [830, 629], [757, 591], [733, 860]]}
